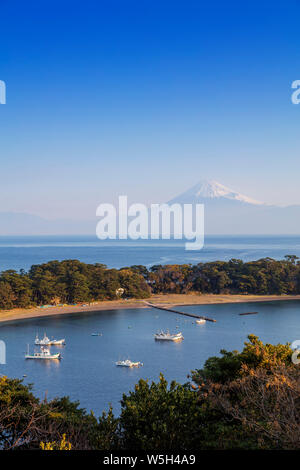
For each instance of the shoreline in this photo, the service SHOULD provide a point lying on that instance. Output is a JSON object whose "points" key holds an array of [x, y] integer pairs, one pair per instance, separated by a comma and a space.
{"points": [[170, 300]]}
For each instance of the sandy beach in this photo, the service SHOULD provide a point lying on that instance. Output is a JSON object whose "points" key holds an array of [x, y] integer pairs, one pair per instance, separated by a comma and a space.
{"points": [[170, 300]]}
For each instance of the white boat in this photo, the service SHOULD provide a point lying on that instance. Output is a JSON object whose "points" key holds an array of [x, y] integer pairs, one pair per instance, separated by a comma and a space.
{"points": [[48, 342], [167, 336], [44, 353], [128, 363], [96, 334], [200, 321], [57, 342]]}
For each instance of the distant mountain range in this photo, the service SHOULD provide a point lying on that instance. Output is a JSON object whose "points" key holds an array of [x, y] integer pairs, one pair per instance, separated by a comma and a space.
{"points": [[14, 223], [229, 212], [226, 212], [205, 191]]}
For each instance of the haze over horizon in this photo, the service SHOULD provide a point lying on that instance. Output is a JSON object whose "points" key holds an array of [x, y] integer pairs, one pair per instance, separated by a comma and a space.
{"points": [[145, 99], [226, 212]]}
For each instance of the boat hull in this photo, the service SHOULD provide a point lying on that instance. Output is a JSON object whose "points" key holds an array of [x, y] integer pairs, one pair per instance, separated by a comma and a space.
{"points": [[174, 340], [133, 364], [43, 358]]}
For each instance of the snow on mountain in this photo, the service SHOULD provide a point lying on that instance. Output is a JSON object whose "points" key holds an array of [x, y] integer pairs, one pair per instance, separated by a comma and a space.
{"points": [[212, 190], [229, 212]]}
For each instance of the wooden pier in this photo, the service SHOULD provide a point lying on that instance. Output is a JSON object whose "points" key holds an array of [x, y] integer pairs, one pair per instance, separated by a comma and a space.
{"points": [[180, 313]]}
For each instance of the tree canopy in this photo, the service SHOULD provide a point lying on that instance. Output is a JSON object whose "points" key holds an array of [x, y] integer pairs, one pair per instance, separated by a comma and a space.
{"points": [[71, 281]]}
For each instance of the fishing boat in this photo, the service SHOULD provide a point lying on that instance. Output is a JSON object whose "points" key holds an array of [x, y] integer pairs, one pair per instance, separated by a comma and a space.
{"points": [[128, 363], [57, 342], [167, 336], [200, 321], [48, 342], [44, 353]]}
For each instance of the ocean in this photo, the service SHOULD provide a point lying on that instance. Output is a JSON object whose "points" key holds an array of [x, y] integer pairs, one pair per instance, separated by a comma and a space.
{"points": [[22, 252]]}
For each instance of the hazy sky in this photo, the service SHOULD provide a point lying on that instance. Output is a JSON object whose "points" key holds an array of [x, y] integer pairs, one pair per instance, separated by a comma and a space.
{"points": [[145, 98]]}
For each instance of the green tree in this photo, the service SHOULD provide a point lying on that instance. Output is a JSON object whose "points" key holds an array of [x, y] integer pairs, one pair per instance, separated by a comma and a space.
{"points": [[156, 417], [231, 364], [7, 297]]}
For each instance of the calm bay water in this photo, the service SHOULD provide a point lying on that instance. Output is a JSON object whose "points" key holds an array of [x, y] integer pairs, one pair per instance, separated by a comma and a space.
{"points": [[87, 371], [22, 252]]}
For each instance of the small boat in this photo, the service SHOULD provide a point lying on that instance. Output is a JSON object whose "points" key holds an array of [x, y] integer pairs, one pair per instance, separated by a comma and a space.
{"points": [[57, 342], [48, 342], [44, 353], [128, 363], [162, 336], [200, 321], [96, 334]]}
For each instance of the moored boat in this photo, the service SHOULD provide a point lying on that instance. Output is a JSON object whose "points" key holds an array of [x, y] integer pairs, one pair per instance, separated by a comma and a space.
{"points": [[128, 363], [48, 342], [57, 342], [200, 321], [167, 336], [44, 353]]}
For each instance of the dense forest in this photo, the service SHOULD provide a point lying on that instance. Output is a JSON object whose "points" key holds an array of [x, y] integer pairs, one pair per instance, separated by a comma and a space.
{"points": [[239, 400], [71, 281]]}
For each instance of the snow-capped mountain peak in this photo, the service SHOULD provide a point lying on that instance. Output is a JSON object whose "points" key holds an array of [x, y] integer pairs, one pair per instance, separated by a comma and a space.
{"points": [[213, 190]]}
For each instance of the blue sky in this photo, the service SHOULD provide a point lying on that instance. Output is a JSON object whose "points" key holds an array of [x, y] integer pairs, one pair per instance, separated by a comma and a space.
{"points": [[146, 98]]}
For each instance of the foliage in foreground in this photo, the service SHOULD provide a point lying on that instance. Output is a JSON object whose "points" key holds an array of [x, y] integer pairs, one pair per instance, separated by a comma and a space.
{"points": [[247, 400], [62, 445], [254, 355]]}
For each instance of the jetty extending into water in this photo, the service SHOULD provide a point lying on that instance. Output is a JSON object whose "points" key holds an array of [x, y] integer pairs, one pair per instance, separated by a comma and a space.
{"points": [[249, 313], [180, 313]]}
